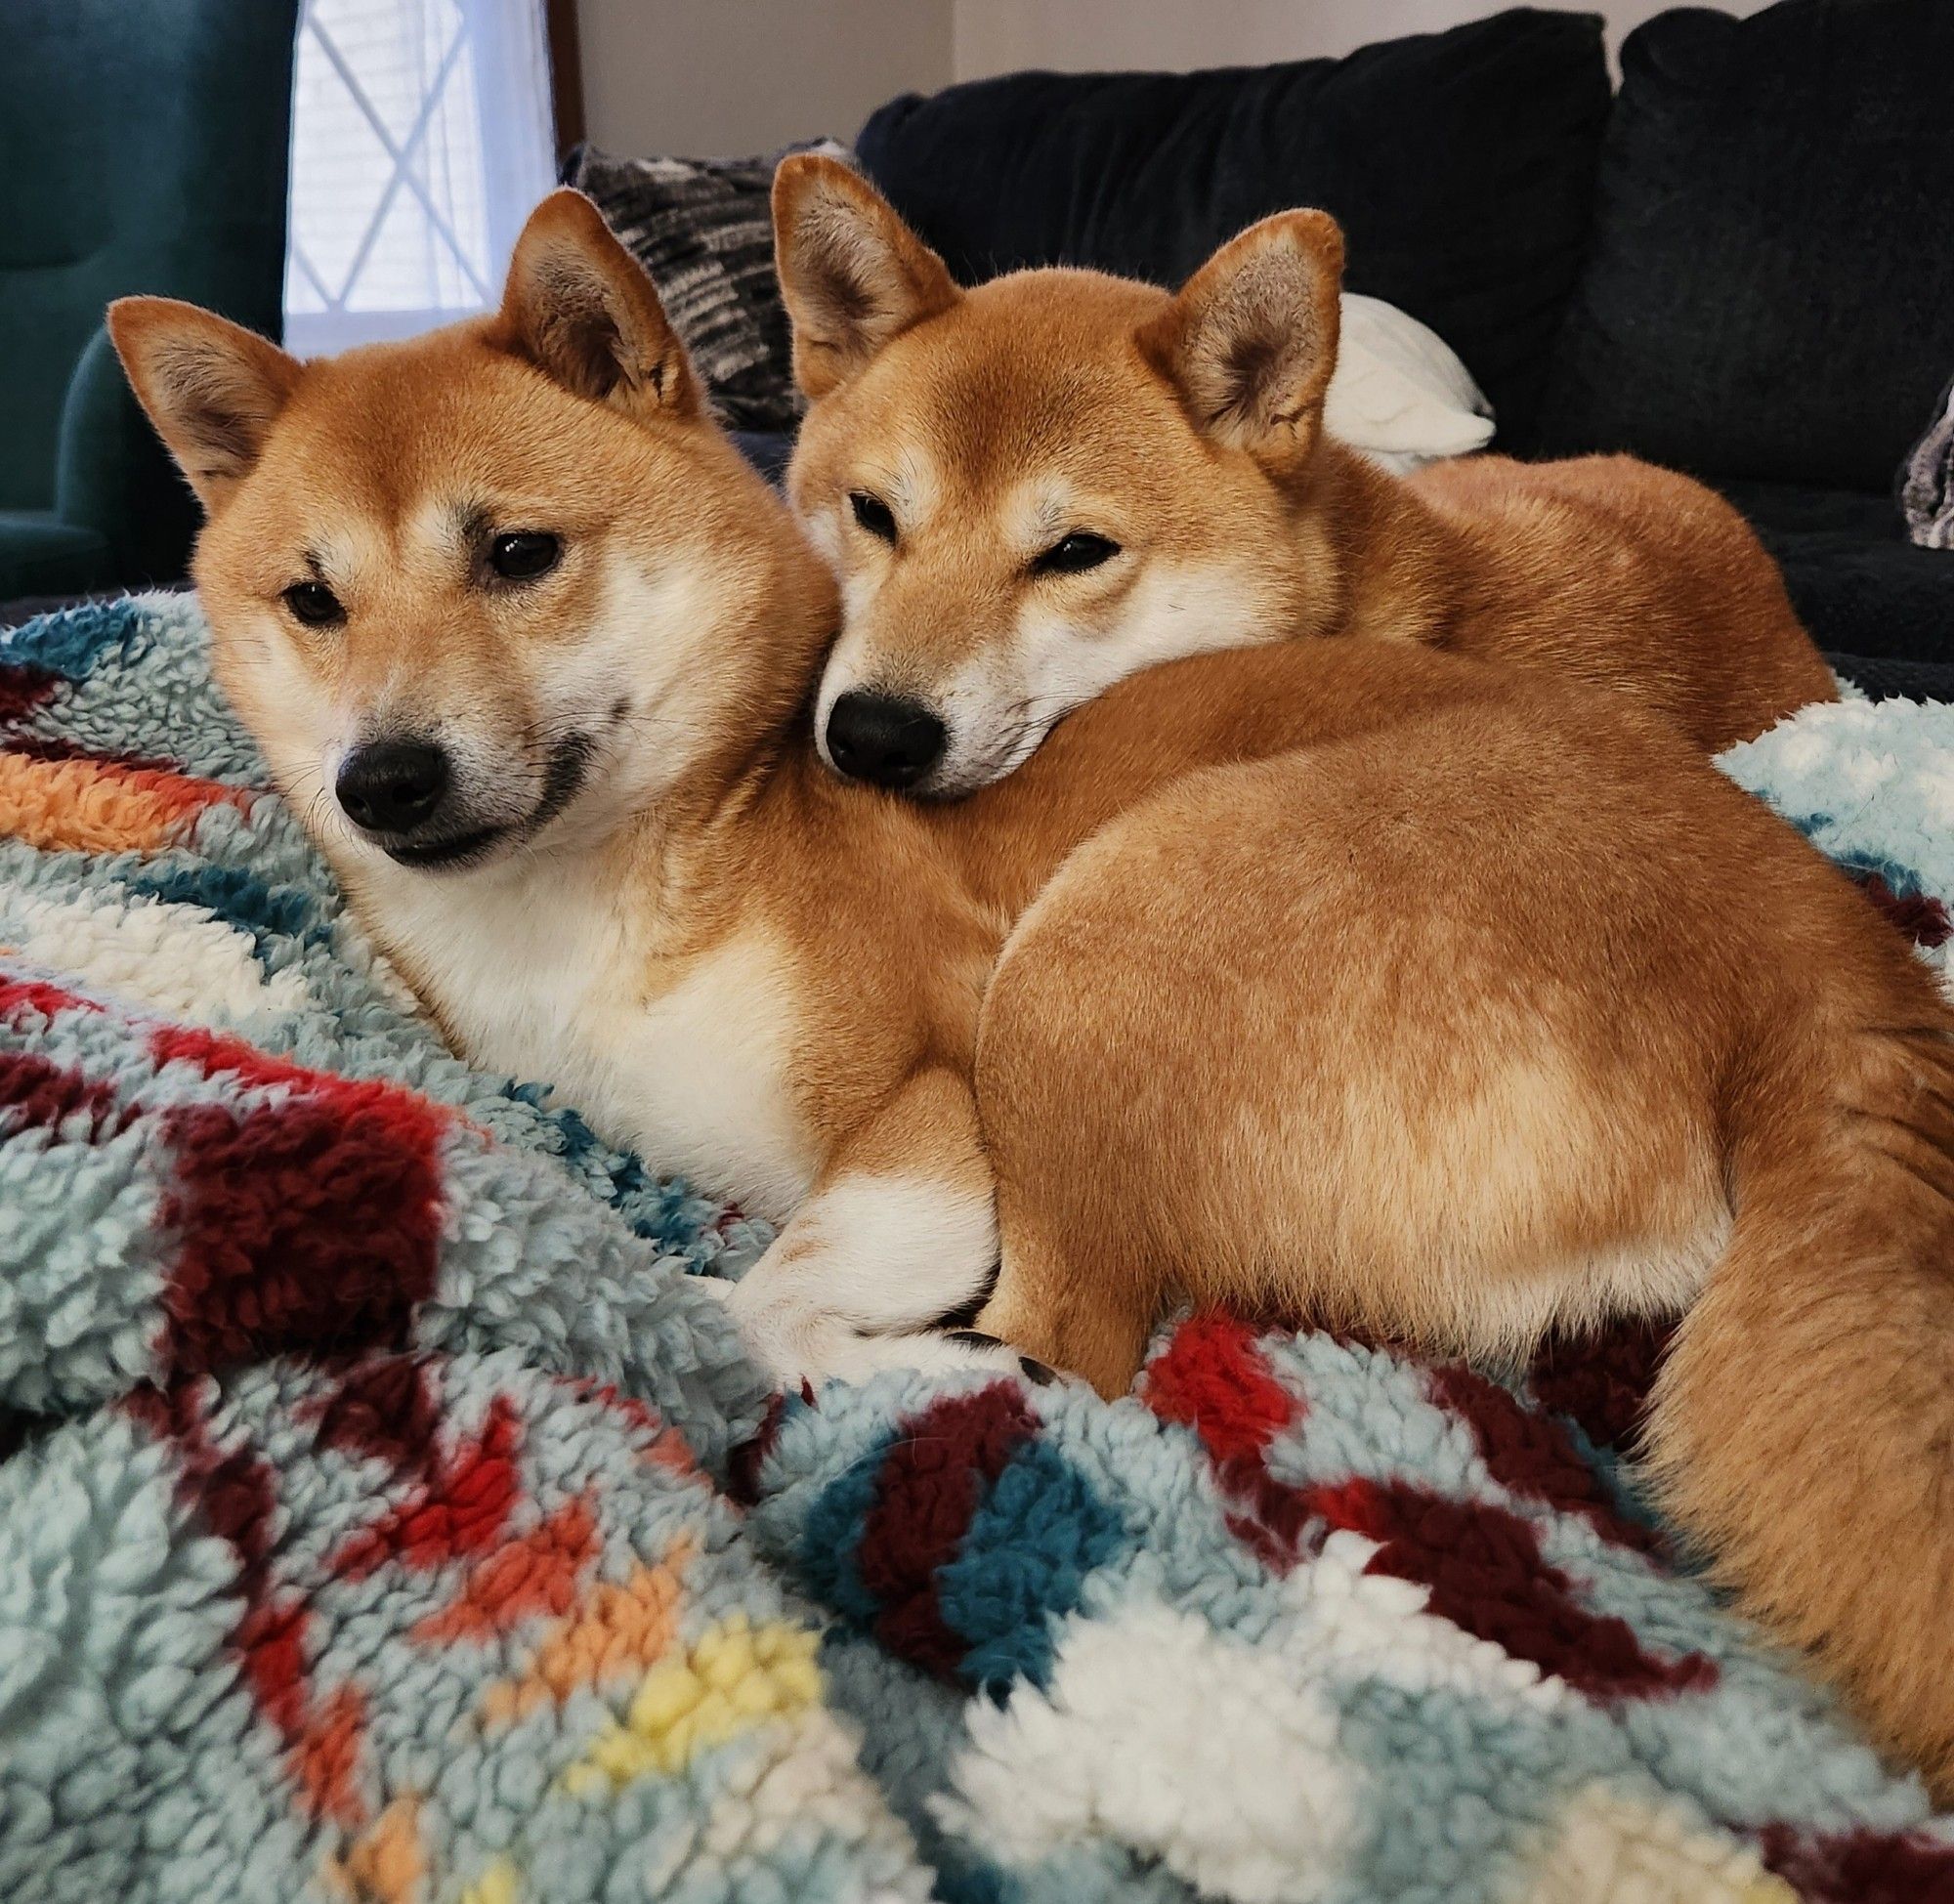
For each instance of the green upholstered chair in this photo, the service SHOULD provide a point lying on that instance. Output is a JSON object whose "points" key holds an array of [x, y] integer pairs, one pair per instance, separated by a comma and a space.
{"points": [[144, 146]]}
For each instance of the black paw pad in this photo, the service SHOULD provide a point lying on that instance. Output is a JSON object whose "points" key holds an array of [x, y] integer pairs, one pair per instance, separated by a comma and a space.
{"points": [[1035, 1373]]}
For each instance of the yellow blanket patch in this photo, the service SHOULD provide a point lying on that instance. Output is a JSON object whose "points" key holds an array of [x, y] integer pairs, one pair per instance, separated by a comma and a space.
{"points": [[733, 1677], [495, 1885]]}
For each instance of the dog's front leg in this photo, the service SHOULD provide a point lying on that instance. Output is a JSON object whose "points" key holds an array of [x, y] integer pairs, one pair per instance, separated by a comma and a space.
{"points": [[899, 1233]]}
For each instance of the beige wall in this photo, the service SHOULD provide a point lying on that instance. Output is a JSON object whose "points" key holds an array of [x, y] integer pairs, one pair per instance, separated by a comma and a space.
{"points": [[720, 77], [735, 76], [1083, 35]]}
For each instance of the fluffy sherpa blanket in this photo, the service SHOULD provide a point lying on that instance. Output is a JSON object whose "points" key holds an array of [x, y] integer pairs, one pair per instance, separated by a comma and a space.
{"points": [[387, 1515]]}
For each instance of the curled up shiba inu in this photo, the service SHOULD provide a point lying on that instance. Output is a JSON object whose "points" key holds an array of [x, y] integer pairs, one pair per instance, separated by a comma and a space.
{"points": [[1351, 980], [1034, 488]]}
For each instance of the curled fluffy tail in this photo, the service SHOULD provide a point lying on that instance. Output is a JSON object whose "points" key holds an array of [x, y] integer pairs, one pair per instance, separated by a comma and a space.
{"points": [[1804, 1425]]}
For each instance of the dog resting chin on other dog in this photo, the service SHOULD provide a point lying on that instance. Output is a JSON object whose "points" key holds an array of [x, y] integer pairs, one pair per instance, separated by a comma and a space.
{"points": [[1395, 991], [1032, 490]]}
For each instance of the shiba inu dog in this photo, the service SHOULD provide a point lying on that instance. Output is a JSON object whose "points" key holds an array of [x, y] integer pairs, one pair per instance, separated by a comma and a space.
{"points": [[1034, 488], [1359, 981]]}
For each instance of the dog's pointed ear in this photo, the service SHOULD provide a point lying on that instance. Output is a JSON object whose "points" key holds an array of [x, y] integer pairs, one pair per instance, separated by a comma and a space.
{"points": [[580, 307], [1250, 341], [853, 276], [212, 388]]}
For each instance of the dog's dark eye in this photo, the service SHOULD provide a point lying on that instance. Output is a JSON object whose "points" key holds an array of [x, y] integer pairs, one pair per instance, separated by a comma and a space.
{"points": [[525, 554], [314, 604], [1075, 554], [873, 514]]}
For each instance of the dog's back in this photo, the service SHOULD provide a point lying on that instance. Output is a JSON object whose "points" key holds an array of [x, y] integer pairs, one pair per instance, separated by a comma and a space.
{"points": [[1630, 576]]}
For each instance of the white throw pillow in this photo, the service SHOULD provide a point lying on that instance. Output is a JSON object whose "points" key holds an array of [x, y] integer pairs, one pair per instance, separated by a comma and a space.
{"points": [[1400, 394]]}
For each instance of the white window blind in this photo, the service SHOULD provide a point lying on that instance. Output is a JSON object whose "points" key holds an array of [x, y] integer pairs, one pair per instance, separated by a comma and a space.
{"points": [[421, 136]]}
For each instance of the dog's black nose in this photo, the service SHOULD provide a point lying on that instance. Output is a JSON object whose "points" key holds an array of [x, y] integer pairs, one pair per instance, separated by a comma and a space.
{"points": [[392, 786], [881, 739]]}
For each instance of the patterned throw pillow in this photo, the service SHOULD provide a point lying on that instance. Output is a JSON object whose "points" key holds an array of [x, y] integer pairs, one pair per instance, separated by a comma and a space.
{"points": [[1927, 480], [702, 228]]}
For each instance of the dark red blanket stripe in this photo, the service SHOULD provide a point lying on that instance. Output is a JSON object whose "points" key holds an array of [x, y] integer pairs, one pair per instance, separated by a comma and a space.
{"points": [[1919, 916], [36, 1093], [300, 1223], [1602, 1380], [382, 1407], [1486, 1574], [236, 1497], [23, 688], [1861, 1867], [1530, 1455], [932, 1478], [743, 1469]]}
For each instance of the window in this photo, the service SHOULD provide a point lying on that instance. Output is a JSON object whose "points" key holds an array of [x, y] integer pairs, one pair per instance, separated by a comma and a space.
{"points": [[422, 138]]}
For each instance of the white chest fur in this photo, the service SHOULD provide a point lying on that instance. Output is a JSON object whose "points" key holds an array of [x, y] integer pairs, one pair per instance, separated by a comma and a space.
{"points": [[537, 972]]}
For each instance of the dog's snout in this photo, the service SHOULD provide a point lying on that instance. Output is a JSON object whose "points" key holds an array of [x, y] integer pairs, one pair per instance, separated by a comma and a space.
{"points": [[393, 786], [883, 738]]}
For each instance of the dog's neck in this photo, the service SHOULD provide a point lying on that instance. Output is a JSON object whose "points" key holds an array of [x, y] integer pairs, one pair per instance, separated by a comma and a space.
{"points": [[1391, 559]]}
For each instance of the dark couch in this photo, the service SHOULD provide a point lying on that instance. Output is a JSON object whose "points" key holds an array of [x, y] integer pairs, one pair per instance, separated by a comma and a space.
{"points": [[1741, 265], [143, 148]]}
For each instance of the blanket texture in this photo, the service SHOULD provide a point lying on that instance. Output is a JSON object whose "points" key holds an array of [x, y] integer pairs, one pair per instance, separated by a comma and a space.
{"points": [[386, 1514]]}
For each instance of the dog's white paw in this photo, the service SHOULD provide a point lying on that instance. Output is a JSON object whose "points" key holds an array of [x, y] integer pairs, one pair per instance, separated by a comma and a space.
{"points": [[938, 1351], [800, 1346]]}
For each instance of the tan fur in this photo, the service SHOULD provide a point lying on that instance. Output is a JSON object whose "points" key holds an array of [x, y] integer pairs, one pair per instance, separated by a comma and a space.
{"points": [[1187, 428], [1353, 980]]}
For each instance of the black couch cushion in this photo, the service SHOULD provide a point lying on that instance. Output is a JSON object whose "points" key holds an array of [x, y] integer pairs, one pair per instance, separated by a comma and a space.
{"points": [[1460, 163], [1771, 293], [1857, 584], [768, 450], [1879, 679]]}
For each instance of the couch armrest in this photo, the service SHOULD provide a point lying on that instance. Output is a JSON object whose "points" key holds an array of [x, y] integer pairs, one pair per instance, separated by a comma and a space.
{"points": [[112, 475]]}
